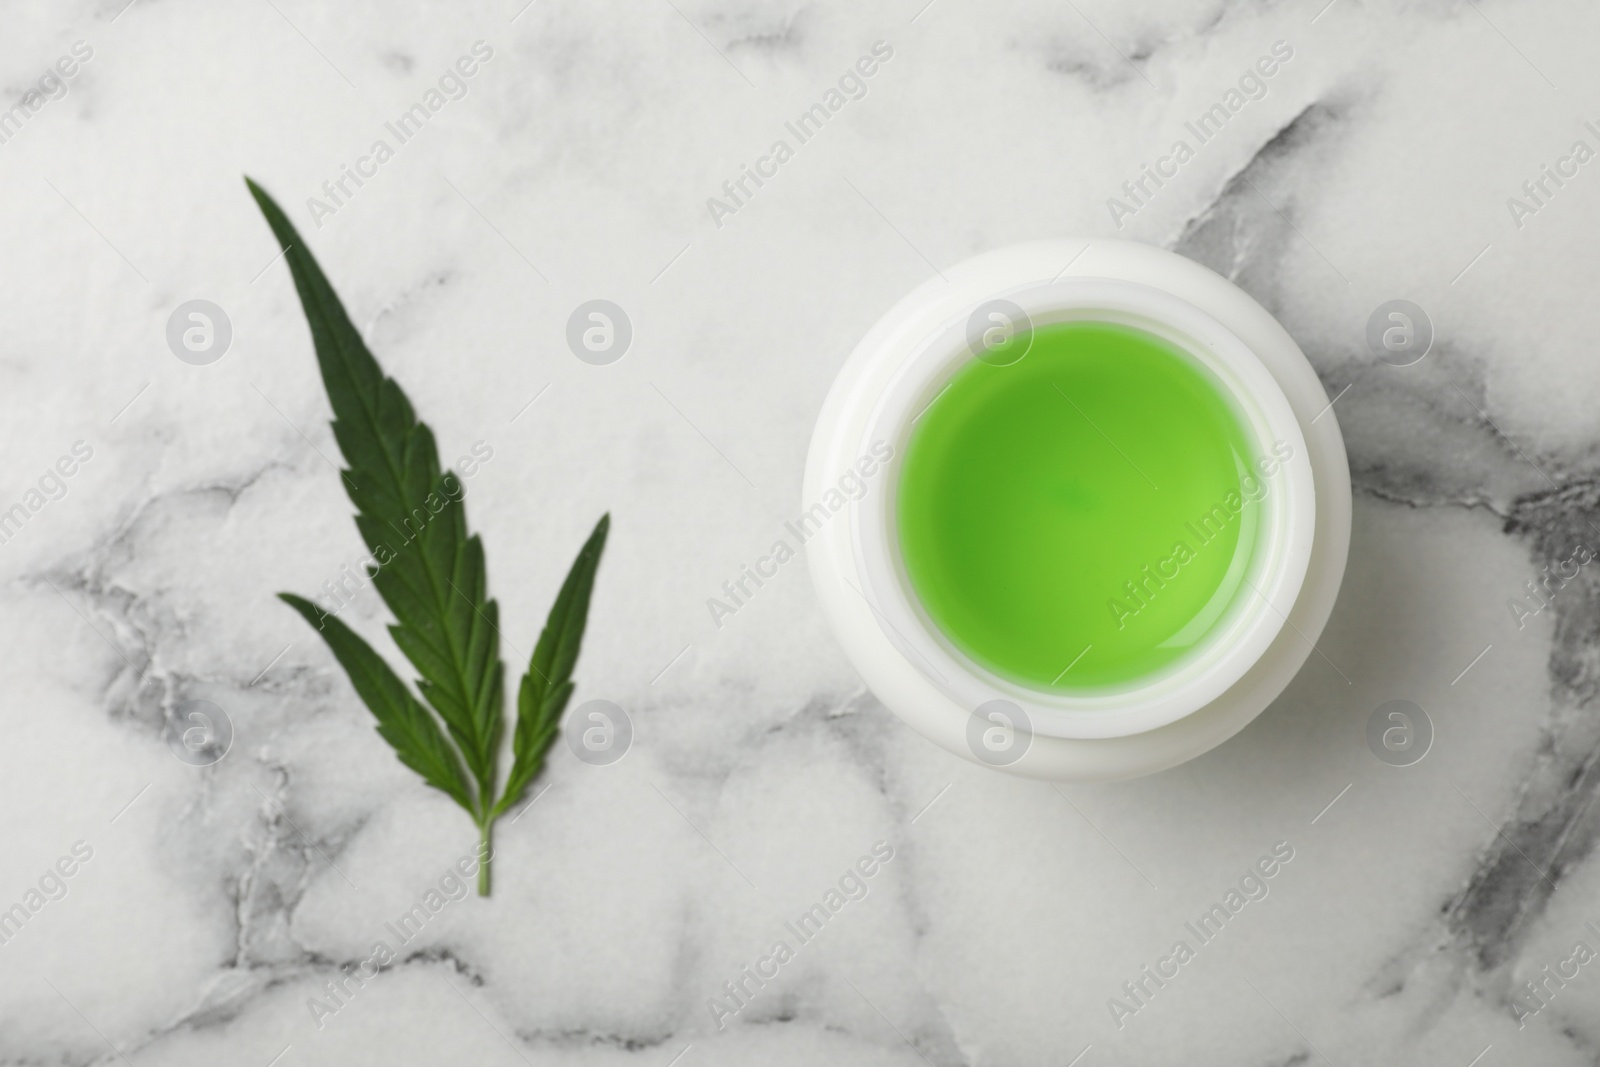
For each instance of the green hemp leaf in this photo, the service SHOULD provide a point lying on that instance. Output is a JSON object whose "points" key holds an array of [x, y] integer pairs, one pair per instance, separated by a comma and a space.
{"points": [[430, 572]]}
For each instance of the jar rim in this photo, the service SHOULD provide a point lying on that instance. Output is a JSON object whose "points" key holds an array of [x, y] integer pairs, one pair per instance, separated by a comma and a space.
{"points": [[1232, 645]]}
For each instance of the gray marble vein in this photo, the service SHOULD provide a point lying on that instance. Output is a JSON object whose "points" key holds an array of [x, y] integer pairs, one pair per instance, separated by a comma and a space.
{"points": [[1432, 914]]}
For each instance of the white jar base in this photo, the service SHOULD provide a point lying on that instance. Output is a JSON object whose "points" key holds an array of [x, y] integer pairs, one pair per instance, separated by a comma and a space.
{"points": [[844, 420]]}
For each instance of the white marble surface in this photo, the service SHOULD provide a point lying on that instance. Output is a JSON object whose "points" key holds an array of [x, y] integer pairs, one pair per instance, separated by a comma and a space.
{"points": [[219, 900]]}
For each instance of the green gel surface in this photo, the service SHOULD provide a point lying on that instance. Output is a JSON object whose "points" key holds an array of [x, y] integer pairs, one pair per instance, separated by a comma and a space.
{"points": [[1100, 493]]}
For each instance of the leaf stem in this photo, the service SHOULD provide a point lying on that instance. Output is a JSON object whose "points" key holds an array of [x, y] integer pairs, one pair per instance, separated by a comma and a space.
{"points": [[485, 854]]}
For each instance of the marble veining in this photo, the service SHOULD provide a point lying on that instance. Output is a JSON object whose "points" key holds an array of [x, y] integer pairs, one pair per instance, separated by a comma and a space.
{"points": [[1432, 913]]}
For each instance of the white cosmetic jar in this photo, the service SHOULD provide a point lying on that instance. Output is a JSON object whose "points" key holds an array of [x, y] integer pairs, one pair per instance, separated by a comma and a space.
{"points": [[1244, 661]]}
